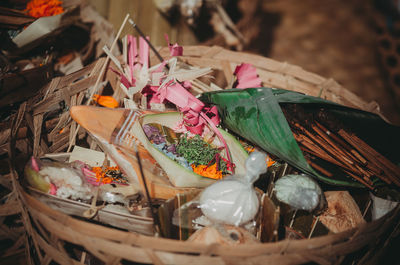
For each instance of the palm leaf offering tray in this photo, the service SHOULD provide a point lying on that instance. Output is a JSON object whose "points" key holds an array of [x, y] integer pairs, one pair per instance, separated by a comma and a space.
{"points": [[190, 156], [140, 222], [144, 129]]}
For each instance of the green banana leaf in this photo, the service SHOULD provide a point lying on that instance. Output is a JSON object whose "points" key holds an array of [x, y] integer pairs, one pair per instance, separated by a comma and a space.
{"points": [[256, 115]]}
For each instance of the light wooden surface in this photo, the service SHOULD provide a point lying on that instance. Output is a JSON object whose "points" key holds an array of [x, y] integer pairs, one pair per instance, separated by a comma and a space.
{"points": [[146, 16]]}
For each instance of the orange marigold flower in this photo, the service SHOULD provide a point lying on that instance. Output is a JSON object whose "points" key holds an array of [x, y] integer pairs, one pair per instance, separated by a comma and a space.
{"points": [[207, 171], [270, 162], [101, 175], [106, 101], [107, 180], [44, 8]]}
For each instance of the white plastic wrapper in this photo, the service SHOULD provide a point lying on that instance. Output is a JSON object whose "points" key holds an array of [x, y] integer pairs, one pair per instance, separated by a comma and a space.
{"points": [[299, 191], [380, 206], [68, 181], [111, 197], [232, 200]]}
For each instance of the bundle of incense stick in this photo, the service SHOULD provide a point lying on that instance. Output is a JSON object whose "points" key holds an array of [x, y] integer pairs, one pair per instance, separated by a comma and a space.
{"points": [[346, 151]]}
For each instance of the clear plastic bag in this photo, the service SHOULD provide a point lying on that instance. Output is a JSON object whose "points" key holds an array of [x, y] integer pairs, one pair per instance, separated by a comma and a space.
{"points": [[231, 201], [300, 192], [112, 197], [64, 180], [381, 206]]}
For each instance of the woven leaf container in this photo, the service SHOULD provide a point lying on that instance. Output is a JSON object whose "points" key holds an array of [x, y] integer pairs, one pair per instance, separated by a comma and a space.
{"points": [[50, 234]]}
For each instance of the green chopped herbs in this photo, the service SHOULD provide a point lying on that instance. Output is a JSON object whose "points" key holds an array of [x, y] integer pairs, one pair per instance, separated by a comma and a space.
{"points": [[192, 153], [196, 150]]}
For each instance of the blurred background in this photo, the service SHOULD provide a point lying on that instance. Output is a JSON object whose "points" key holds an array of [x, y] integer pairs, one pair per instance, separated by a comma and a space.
{"points": [[354, 42]]}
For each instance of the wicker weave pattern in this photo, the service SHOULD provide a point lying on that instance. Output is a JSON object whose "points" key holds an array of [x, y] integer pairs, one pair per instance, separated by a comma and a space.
{"points": [[50, 230], [111, 245]]}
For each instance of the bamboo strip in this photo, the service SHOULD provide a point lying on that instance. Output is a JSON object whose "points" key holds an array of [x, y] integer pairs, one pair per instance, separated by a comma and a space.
{"points": [[5, 179], [53, 100], [113, 248], [60, 125], [54, 253], [9, 208], [102, 70], [10, 233], [16, 248], [163, 244]]}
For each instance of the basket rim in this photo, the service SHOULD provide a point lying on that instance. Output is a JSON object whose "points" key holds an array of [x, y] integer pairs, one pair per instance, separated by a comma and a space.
{"points": [[289, 76], [329, 246], [173, 245]]}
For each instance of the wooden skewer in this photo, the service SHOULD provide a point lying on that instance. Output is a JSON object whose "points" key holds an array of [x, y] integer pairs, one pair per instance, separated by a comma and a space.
{"points": [[359, 179], [304, 140], [345, 152], [391, 170], [135, 26], [352, 154], [336, 154], [342, 144], [314, 224], [346, 170], [319, 168], [156, 222], [320, 141], [359, 171], [333, 153], [310, 149], [369, 173], [335, 138], [318, 152], [358, 156], [332, 161], [368, 150], [327, 139], [384, 178], [366, 175], [338, 144]]}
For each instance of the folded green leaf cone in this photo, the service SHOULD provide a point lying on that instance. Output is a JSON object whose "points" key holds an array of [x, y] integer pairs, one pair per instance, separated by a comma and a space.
{"points": [[256, 115]]}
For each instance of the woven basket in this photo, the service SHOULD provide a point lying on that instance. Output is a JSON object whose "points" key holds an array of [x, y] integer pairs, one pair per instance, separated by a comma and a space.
{"points": [[51, 233], [50, 230]]}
